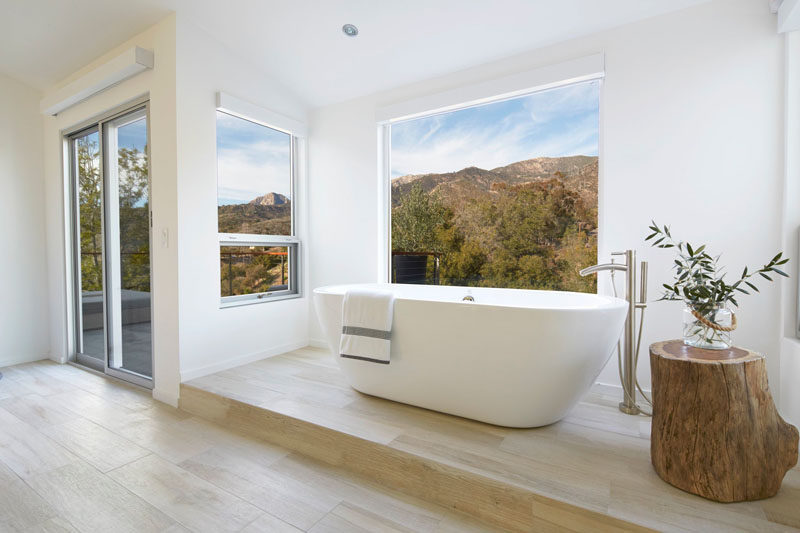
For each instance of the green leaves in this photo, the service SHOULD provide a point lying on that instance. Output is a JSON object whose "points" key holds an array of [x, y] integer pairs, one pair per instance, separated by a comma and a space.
{"points": [[773, 265], [699, 280], [418, 221]]}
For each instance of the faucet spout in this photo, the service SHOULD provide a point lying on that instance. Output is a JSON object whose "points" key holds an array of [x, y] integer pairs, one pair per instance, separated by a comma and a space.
{"points": [[601, 267]]}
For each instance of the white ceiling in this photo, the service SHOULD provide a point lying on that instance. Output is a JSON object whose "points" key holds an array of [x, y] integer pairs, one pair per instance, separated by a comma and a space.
{"points": [[43, 41], [300, 42]]}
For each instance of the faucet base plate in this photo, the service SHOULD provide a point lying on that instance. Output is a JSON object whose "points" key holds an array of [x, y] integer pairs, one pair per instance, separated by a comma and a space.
{"points": [[629, 409]]}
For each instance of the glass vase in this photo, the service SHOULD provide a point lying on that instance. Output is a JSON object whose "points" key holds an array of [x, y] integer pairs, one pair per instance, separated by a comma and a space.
{"points": [[701, 327]]}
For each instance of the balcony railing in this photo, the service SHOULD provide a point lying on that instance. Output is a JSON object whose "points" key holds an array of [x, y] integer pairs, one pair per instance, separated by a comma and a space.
{"points": [[246, 256], [413, 267], [130, 280]]}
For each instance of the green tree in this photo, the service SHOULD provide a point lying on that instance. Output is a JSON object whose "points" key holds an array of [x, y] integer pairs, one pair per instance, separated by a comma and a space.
{"points": [[90, 195], [418, 222], [134, 218], [577, 251], [534, 235], [528, 225], [251, 270], [463, 264], [534, 216]]}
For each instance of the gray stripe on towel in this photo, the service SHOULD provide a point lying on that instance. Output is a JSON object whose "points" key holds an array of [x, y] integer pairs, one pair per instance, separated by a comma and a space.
{"points": [[367, 332], [370, 359]]}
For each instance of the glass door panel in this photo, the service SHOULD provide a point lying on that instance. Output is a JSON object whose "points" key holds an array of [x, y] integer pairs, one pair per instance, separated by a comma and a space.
{"points": [[128, 241], [86, 170], [110, 180]]}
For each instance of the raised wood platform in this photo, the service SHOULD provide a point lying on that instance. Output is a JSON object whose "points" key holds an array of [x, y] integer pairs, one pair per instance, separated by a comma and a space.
{"points": [[590, 471]]}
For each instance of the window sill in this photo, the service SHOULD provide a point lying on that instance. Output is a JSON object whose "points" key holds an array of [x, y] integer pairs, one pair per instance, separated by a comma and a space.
{"points": [[225, 303]]}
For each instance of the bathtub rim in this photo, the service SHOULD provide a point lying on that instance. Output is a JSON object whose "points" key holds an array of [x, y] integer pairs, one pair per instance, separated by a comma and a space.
{"points": [[607, 302]]}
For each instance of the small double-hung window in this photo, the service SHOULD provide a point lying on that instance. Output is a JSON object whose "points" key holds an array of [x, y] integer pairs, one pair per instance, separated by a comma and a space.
{"points": [[256, 174]]}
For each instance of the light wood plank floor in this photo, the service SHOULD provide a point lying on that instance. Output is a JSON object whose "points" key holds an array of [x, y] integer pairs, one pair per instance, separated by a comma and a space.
{"points": [[597, 458], [81, 452]]}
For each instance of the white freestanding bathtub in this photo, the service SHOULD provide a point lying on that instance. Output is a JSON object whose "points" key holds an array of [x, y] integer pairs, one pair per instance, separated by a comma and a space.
{"points": [[514, 358]]}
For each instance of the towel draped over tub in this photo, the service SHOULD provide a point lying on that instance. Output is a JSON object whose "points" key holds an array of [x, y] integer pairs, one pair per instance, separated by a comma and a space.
{"points": [[367, 325]]}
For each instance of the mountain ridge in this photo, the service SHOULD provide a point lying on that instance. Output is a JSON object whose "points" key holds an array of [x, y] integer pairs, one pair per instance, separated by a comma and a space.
{"points": [[269, 214], [577, 172]]}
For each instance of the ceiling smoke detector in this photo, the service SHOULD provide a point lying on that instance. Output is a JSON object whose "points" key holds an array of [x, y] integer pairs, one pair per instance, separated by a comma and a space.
{"points": [[350, 30]]}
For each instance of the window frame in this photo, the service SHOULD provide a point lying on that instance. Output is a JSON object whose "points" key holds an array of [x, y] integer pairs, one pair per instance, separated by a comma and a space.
{"points": [[263, 117], [518, 85], [293, 248]]}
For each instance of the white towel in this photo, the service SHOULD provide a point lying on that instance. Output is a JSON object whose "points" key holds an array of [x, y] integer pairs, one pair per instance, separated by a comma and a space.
{"points": [[367, 325]]}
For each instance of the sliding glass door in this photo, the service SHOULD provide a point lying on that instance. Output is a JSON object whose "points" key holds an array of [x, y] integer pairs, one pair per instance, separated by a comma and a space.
{"points": [[88, 185], [111, 195]]}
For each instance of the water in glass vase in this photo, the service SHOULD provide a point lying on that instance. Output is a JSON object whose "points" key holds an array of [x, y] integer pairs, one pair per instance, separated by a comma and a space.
{"points": [[708, 328]]}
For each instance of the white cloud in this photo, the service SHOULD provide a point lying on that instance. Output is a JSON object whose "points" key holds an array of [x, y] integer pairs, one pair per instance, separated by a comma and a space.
{"points": [[242, 177], [252, 160], [490, 148], [553, 123]]}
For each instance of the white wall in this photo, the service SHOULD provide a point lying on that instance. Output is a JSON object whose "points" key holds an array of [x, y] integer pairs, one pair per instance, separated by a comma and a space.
{"points": [[692, 136], [790, 345], [23, 304], [343, 198], [159, 84], [192, 335], [212, 339]]}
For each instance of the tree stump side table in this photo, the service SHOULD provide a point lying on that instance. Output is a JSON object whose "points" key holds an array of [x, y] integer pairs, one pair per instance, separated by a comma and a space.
{"points": [[716, 432]]}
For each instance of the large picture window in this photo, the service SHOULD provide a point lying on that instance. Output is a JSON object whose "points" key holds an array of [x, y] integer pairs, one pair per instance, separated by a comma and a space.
{"points": [[255, 209], [502, 194]]}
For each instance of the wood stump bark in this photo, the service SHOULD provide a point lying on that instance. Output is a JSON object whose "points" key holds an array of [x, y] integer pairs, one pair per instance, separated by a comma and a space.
{"points": [[716, 432]]}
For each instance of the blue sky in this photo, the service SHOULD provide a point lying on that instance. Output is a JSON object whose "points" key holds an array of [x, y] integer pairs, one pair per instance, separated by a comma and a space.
{"points": [[553, 123], [252, 160], [133, 135]]}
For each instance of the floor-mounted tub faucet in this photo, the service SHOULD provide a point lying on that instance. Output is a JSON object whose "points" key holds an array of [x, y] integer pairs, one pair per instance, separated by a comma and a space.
{"points": [[629, 360]]}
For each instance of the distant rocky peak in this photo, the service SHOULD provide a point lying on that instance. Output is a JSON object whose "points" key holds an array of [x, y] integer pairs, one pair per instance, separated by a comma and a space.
{"points": [[271, 198]]}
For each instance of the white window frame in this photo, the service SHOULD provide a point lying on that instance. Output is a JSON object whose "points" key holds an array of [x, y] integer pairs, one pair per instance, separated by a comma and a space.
{"points": [[297, 132], [514, 86]]}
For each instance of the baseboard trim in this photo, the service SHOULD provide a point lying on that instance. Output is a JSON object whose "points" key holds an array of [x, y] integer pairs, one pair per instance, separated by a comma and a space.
{"points": [[241, 360], [609, 388], [60, 359], [11, 361], [317, 343]]}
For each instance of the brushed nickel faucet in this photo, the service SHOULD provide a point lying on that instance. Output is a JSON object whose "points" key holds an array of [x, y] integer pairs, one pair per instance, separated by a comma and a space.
{"points": [[630, 358]]}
